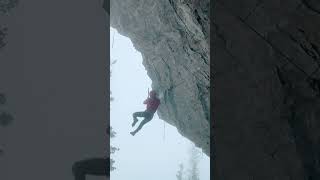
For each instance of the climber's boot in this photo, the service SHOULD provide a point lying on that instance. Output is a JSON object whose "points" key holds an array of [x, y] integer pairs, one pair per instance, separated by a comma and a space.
{"points": [[132, 133], [135, 120]]}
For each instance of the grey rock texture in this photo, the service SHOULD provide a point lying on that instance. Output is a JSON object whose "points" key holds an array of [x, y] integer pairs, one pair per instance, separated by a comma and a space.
{"points": [[173, 38], [265, 128]]}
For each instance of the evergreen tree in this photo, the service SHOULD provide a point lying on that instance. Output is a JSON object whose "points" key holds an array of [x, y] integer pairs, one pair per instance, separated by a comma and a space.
{"points": [[7, 5], [3, 33], [5, 117], [194, 161], [5, 8], [112, 135], [180, 172]]}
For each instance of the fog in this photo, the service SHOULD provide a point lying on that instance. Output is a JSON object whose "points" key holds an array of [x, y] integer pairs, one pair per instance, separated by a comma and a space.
{"points": [[156, 151]]}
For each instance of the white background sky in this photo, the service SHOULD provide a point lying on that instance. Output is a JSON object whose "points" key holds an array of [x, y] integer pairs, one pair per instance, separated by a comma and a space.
{"points": [[157, 149]]}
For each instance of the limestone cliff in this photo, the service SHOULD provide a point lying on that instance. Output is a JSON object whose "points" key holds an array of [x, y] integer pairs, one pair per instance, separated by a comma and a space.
{"points": [[173, 38], [266, 110]]}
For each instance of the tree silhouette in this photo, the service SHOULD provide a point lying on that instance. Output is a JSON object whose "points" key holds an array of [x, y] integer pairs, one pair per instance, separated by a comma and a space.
{"points": [[112, 150], [180, 172], [3, 33], [112, 133], [7, 5], [5, 117], [194, 161], [192, 172], [5, 8], [3, 99]]}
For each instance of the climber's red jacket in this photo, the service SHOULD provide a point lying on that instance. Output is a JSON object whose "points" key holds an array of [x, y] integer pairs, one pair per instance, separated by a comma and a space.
{"points": [[152, 104]]}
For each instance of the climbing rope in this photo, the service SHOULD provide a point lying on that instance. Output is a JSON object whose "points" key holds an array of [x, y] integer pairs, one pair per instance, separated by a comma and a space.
{"points": [[113, 39], [164, 132]]}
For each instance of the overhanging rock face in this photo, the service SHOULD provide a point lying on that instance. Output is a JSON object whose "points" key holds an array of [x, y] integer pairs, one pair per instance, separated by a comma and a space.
{"points": [[173, 38], [266, 128]]}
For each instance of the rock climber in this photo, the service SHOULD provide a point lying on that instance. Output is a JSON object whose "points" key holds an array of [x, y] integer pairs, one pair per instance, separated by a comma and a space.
{"points": [[152, 103]]}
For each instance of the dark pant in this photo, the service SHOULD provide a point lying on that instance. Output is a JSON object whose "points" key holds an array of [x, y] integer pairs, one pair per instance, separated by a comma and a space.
{"points": [[147, 117], [93, 166]]}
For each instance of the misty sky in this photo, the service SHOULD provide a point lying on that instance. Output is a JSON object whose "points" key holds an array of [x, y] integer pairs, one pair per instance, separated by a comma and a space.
{"points": [[157, 149]]}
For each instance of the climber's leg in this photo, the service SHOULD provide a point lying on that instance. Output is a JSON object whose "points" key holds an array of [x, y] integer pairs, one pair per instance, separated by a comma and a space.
{"points": [[94, 166], [147, 118], [137, 114]]}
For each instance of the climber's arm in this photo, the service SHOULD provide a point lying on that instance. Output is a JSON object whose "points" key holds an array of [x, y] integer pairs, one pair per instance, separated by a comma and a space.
{"points": [[146, 101]]}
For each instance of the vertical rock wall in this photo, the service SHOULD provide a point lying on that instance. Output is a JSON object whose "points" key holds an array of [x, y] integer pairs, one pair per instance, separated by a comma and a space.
{"points": [[173, 38], [265, 129]]}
